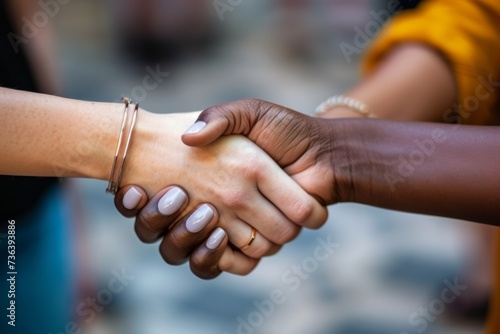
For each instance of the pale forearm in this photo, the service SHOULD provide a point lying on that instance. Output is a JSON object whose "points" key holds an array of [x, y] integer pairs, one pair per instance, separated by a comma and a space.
{"points": [[413, 83], [43, 135]]}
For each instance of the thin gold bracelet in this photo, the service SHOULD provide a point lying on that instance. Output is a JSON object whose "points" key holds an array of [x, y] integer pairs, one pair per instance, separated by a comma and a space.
{"points": [[343, 101], [127, 127]]}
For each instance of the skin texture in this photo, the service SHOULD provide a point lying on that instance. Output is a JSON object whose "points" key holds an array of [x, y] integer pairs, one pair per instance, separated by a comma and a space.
{"points": [[48, 136]]}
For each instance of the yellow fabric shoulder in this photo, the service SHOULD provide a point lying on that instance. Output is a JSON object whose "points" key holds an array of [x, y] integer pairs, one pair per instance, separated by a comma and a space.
{"points": [[467, 34]]}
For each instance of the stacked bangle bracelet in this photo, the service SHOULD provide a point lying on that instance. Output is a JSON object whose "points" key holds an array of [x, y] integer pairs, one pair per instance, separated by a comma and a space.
{"points": [[344, 101], [127, 127]]}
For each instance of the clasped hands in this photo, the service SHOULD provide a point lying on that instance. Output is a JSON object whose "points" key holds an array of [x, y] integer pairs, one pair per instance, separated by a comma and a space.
{"points": [[232, 200]]}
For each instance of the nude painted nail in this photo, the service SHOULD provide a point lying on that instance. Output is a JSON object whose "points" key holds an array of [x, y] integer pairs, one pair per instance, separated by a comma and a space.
{"points": [[216, 238], [199, 219], [171, 201], [195, 128], [132, 198]]}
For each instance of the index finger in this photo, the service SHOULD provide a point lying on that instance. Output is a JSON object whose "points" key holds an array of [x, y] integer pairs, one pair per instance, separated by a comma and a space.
{"points": [[300, 207]]}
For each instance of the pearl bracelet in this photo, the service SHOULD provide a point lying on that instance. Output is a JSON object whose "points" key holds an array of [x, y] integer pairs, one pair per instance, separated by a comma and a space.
{"points": [[343, 101]]}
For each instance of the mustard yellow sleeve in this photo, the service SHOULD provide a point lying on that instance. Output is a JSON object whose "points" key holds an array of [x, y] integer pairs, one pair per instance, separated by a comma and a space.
{"points": [[467, 34]]}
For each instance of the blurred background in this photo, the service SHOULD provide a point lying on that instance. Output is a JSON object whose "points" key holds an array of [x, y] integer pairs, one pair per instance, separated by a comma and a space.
{"points": [[388, 268]]}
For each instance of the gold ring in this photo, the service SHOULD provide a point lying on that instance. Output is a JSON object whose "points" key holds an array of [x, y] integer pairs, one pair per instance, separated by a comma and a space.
{"points": [[251, 240]]}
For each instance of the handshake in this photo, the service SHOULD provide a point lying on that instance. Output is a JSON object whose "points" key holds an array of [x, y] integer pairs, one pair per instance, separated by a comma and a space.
{"points": [[248, 175], [235, 199], [232, 200], [223, 203]]}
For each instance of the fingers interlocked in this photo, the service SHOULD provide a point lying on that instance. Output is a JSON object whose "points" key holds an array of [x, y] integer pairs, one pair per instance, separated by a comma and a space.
{"points": [[193, 236]]}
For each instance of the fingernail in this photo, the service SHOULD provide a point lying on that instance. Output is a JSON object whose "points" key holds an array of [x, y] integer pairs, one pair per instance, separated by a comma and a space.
{"points": [[216, 238], [132, 198], [199, 219], [171, 201], [195, 128]]}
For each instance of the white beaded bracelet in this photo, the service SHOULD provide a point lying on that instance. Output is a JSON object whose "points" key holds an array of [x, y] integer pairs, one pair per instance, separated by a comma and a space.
{"points": [[343, 101]]}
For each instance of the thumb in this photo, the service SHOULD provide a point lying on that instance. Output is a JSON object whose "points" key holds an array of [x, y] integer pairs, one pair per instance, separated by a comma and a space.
{"points": [[236, 117], [204, 132]]}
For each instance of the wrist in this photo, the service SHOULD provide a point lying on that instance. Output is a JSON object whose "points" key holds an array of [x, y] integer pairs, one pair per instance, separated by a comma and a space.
{"points": [[92, 154], [338, 148], [156, 142], [151, 130], [351, 159]]}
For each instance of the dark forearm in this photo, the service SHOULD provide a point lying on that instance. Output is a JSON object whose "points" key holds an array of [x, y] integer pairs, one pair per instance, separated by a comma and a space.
{"points": [[438, 169]]}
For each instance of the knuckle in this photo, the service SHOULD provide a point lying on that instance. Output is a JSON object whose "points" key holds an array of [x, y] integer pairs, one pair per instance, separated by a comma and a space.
{"points": [[275, 249], [252, 167], [143, 235], [146, 219], [203, 266], [204, 273], [302, 211], [171, 251], [201, 269], [236, 199], [258, 250], [251, 104], [258, 105], [254, 164], [286, 234], [168, 258], [226, 265], [175, 243], [197, 262]]}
